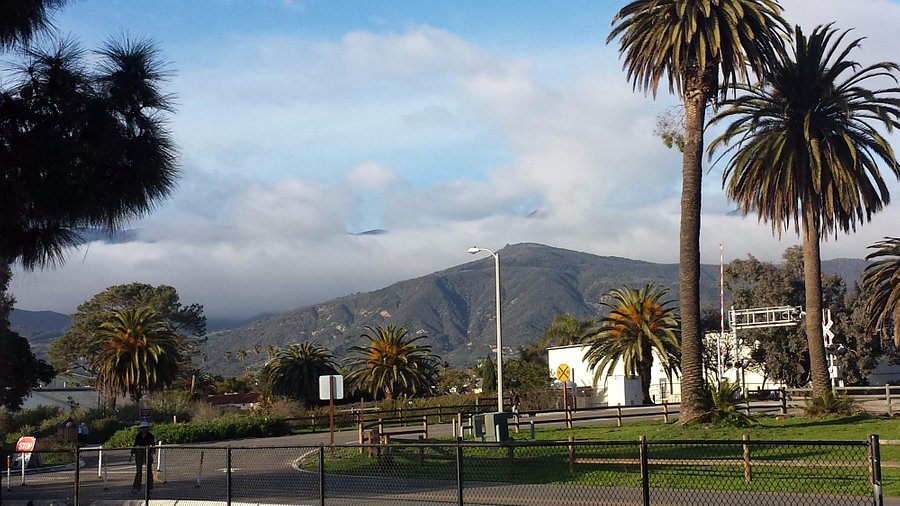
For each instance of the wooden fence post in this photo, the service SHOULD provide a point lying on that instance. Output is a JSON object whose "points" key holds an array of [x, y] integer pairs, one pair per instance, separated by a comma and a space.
{"points": [[665, 412], [887, 398], [783, 393], [459, 423], [619, 415], [571, 455], [425, 425], [747, 469]]}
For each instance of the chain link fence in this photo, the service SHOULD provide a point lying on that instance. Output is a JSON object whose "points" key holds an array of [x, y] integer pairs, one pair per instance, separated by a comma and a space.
{"points": [[572, 472]]}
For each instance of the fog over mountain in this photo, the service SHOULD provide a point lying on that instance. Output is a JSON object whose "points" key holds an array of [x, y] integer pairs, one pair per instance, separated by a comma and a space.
{"points": [[453, 307]]}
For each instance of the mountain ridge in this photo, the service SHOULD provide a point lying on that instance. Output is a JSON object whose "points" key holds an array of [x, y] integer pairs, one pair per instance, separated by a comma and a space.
{"points": [[455, 306]]}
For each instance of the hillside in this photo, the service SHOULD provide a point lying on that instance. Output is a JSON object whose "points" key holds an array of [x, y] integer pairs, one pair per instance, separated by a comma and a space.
{"points": [[455, 307]]}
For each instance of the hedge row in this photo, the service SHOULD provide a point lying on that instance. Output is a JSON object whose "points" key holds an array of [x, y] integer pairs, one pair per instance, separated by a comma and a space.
{"points": [[232, 427]]}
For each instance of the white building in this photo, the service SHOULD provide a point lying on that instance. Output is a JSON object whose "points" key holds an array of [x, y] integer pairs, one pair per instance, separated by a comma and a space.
{"points": [[617, 388]]}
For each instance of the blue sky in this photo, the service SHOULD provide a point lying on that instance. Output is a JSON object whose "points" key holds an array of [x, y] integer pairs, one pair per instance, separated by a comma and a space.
{"points": [[303, 123]]}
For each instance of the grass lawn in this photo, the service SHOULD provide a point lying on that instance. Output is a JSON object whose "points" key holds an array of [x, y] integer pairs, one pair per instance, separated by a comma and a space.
{"points": [[611, 457]]}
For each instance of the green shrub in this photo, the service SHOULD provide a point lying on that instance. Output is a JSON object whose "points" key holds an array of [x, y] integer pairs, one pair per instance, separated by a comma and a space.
{"points": [[35, 417], [169, 404], [232, 427], [103, 428], [829, 404], [720, 403]]}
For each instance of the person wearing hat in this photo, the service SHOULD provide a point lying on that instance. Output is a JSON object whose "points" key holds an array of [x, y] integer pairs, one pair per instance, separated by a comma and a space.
{"points": [[140, 452]]}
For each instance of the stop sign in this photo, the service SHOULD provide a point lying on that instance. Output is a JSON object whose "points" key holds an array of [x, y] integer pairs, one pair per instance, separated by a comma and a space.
{"points": [[25, 444]]}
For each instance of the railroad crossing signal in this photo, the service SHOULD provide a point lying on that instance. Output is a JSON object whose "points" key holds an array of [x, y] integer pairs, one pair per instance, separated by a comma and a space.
{"points": [[563, 372]]}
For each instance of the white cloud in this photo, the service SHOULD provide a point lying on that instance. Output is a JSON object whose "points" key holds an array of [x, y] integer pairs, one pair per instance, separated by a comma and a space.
{"points": [[371, 176], [428, 135]]}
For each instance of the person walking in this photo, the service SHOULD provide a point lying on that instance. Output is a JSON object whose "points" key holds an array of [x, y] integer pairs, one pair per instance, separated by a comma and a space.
{"points": [[141, 451], [83, 432]]}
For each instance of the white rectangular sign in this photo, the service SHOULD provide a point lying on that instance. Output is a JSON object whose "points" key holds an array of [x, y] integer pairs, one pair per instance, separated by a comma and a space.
{"points": [[335, 383]]}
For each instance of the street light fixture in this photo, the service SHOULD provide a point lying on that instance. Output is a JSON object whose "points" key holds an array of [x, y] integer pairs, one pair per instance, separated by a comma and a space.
{"points": [[473, 250]]}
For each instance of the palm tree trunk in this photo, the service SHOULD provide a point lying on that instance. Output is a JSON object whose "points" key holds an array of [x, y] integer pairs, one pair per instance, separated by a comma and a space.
{"points": [[646, 366], [812, 277], [689, 257]]}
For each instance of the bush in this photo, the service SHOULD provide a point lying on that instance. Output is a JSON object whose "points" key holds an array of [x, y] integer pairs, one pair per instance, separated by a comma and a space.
{"points": [[829, 404], [103, 428], [720, 403], [203, 411], [169, 404], [232, 427], [35, 417]]}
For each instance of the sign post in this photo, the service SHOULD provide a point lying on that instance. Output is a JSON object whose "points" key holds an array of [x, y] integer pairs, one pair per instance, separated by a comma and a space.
{"points": [[24, 447], [562, 374], [331, 387]]}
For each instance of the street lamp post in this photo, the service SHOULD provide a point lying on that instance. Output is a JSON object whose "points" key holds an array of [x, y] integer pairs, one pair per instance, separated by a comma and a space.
{"points": [[473, 250]]}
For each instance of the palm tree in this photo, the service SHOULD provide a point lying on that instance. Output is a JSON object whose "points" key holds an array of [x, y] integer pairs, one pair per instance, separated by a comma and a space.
{"points": [[638, 327], [565, 329], [702, 46], [294, 371], [112, 159], [22, 19], [806, 151], [393, 363], [134, 351], [881, 283]]}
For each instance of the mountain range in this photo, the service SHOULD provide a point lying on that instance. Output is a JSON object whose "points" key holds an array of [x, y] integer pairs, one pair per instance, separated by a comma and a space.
{"points": [[454, 307]]}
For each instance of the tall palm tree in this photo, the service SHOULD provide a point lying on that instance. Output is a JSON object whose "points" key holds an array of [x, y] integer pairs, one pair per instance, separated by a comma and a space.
{"points": [[881, 282], [135, 352], [393, 363], [20, 20], [805, 150], [112, 160], [294, 371], [702, 46], [565, 329], [638, 327]]}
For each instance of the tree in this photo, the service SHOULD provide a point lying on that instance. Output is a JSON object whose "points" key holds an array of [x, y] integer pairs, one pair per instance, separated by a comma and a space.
{"points": [[72, 350], [487, 371], [524, 376], [112, 159], [702, 46], [806, 151], [393, 363], [20, 20], [294, 371], [566, 329], [20, 370], [881, 282], [134, 351], [456, 381], [638, 327]]}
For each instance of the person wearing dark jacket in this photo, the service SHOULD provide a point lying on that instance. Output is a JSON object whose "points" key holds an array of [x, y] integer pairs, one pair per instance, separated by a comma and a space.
{"points": [[140, 453]]}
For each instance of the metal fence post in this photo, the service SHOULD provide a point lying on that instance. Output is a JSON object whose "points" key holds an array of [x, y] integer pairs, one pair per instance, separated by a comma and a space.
{"points": [[321, 474], [645, 473], [228, 476], [148, 453], [459, 472], [77, 475], [875, 452]]}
